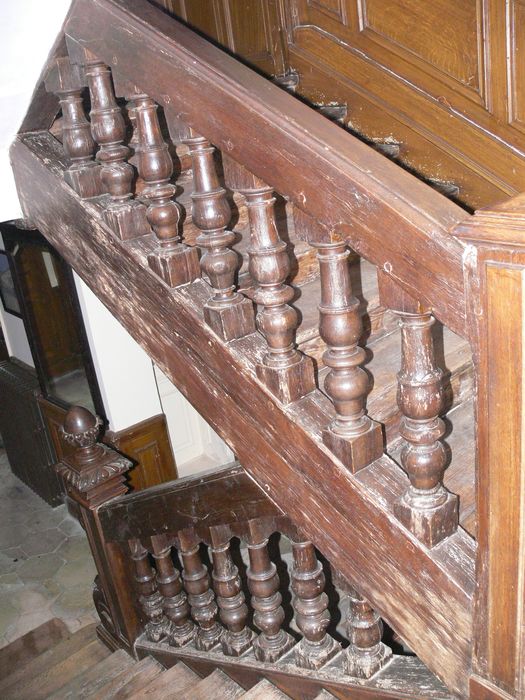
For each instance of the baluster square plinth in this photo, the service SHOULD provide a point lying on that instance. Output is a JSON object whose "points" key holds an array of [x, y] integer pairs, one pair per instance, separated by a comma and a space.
{"points": [[429, 525], [233, 321], [176, 266], [85, 180], [356, 452], [127, 220], [290, 383]]}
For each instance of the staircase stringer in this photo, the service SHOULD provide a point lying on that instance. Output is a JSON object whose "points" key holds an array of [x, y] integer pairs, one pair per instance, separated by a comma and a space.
{"points": [[425, 595]]}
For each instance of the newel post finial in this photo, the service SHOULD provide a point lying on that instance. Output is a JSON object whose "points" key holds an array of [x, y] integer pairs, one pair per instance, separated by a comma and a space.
{"points": [[93, 473]]}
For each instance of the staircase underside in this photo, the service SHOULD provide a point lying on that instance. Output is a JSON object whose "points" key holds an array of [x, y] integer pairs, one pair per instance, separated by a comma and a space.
{"points": [[425, 595]]}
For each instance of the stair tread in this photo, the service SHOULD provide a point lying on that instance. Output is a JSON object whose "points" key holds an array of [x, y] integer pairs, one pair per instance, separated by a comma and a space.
{"points": [[138, 682], [216, 685], [92, 679], [264, 690], [122, 682], [24, 649], [176, 680], [51, 657], [58, 675]]}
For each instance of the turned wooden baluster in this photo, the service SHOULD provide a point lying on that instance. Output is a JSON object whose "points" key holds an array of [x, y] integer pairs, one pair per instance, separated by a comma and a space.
{"points": [[352, 435], [263, 583], [151, 601], [366, 654], [175, 601], [200, 595], [426, 508], [229, 313], [233, 611], [68, 82], [125, 215], [286, 372], [175, 262], [311, 609]]}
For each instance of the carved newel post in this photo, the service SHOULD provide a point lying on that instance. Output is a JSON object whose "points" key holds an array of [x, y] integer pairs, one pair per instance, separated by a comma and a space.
{"points": [[94, 474], [68, 82]]}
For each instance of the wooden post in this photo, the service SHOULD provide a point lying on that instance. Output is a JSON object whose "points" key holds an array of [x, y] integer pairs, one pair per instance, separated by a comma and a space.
{"points": [[172, 260], [426, 508], [352, 436], [366, 654], [285, 371], [227, 312], [495, 273], [68, 82], [93, 474], [311, 609], [126, 216]]}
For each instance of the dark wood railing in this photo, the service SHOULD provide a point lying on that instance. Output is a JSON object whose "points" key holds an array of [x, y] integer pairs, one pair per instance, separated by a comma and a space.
{"points": [[228, 605], [258, 390]]}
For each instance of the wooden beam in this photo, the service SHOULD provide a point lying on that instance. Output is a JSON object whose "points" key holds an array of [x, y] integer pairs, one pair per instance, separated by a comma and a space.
{"points": [[496, 273], [386, 214], [424, 595]]}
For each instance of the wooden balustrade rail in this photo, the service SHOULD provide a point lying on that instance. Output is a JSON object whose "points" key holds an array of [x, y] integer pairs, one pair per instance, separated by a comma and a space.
{"points": [[385, 214]]}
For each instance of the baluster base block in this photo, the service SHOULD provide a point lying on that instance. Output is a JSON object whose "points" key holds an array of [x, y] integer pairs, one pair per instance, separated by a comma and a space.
{"points": [[291, 383], [315, 656], [85, 181], [363, 664], [176, 266], [359, 451], [157, 631], [207, 639], [182, 635], [231, 322], [269, 650], [431, 525], [127, 220], [237, 645]]}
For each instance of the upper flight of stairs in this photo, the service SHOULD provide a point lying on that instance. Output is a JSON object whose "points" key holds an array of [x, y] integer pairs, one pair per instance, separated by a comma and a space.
{"points": [[53, 664]]}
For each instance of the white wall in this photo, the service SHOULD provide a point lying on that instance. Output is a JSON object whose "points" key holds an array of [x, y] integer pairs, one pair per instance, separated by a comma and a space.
{"points": [[29, 29], [125, 373]]}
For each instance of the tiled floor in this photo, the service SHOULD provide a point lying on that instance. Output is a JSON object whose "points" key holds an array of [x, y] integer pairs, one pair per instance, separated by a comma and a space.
{"points": [[46, 569]]}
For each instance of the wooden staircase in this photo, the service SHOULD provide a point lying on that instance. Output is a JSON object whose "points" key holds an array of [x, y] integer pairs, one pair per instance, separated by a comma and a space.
{"points": [[322, 332]]}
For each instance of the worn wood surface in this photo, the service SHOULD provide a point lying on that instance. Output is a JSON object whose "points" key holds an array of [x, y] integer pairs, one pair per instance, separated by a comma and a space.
{"points": [[334, 183], [496, 263], [403, 679], [423, 595]]}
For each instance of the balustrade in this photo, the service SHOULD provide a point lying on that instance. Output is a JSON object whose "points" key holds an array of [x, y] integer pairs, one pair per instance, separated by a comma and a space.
{"points": [[352, 435], [68, 82]]}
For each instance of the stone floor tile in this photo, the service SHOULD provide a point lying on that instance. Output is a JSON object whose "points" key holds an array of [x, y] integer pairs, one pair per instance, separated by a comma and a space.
{"points": [[26, 623], [75, 548], [40, 568], [42, 542], [9, 614], [76, 573], [74, 602], [13, 536], [28, 599], [46, 518], [71, 527]]}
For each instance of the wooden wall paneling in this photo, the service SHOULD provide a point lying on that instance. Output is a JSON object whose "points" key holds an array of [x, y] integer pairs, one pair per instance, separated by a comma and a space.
{"points": [[516, 58], [147, 444], [496, 271]]}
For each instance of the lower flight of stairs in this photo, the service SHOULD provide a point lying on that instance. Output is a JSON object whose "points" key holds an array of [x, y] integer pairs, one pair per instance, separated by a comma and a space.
{"points": [[49, 662]]}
